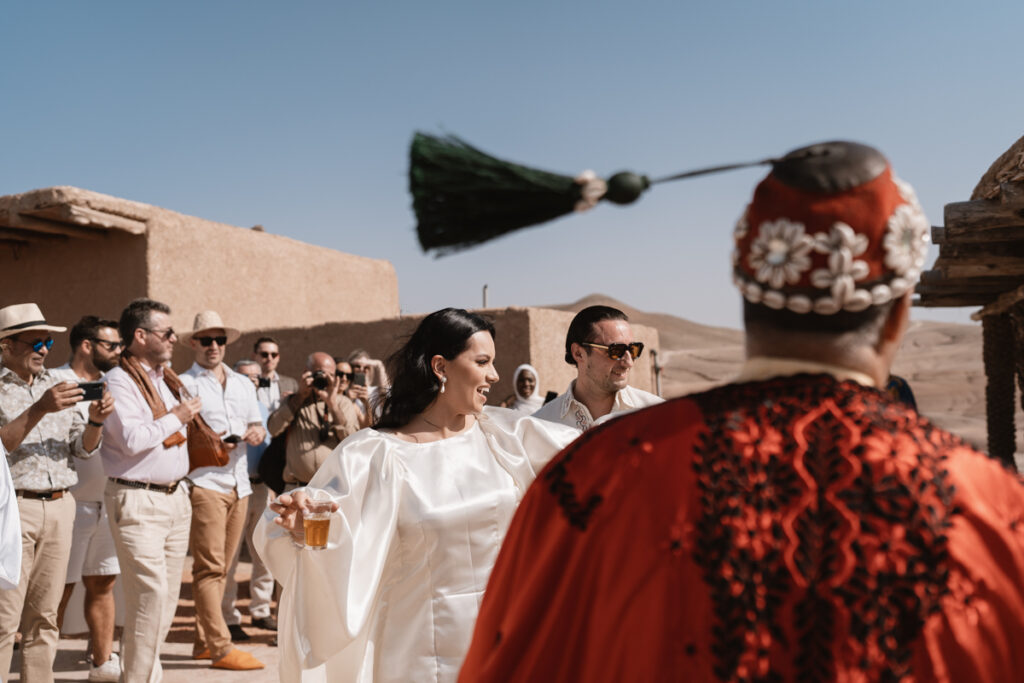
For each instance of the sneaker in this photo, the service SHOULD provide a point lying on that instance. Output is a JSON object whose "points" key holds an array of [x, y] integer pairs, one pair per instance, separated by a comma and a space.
{"points": [[265, 623], [238, 660], [108, 671], [237, 634]]}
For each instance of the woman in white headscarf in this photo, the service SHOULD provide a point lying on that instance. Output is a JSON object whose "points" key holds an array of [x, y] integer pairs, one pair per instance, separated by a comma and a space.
{"points": [[527, 386]]}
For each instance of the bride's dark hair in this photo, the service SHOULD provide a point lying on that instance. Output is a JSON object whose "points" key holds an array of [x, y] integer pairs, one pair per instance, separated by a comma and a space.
{"points": [[414, 385]]}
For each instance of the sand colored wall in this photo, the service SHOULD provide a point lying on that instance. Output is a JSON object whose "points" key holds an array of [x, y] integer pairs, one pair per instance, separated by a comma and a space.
{"points": [[524, 335], [257, 280], [73, 278]]}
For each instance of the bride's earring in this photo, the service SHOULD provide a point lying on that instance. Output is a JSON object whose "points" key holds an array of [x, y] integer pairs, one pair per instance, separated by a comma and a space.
{"points": [[443, 381]]}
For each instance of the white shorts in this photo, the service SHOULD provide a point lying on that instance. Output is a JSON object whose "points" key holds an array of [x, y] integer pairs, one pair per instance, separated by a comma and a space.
{"points": [[92, 545]]}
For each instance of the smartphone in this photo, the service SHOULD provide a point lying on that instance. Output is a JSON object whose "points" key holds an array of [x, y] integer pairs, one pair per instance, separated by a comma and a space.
{"points": [[231, 438], [93, 390], [359, 379]]}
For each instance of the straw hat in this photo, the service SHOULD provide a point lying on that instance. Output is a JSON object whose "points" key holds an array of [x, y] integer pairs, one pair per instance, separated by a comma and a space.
{"points": [[206, 321], [22, 318]]}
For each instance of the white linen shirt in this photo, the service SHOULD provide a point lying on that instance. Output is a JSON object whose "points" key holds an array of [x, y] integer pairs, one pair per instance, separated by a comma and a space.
{"points": [[91, 477], [228, 409], [133, 441], [567, 410]]}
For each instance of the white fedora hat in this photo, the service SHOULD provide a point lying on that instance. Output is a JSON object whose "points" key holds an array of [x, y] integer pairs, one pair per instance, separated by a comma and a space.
{"points": [[23, 318], [210, 320]]}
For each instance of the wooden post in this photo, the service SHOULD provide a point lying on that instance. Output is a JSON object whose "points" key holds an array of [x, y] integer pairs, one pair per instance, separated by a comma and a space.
{"points": [[1000, 401]]}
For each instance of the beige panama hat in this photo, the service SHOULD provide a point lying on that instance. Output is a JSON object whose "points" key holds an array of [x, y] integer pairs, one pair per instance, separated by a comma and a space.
{"points": [[22, 318], [210, 320]]}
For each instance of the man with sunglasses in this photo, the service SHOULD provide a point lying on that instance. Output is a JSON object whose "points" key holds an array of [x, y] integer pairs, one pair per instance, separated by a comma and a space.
{"points": [[95, 350], [271, 387], [220, 495], [41, 432], [600, 344]]}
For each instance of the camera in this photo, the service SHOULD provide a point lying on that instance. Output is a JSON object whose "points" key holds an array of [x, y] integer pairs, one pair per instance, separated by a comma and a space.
{"points": [[263, 382], [320, 380]]}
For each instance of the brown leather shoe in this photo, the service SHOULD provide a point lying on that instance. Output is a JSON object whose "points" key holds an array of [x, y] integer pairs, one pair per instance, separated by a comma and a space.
{"points": [[205, 654], [238, 660]]}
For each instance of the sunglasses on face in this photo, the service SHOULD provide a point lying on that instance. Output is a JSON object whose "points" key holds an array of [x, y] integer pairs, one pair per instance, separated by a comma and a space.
{"points": [[38, 344], [264, 354], [108, 345], [618, 351], [222, 340], [344, 375], [165, 335]]}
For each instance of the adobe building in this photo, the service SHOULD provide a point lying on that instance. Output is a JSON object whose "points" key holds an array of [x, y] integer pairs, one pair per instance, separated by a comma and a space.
{"points": [[76, 252]]}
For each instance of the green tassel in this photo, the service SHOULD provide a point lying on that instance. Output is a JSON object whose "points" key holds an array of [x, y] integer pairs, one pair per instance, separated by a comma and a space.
{"points": [[463, 196]]}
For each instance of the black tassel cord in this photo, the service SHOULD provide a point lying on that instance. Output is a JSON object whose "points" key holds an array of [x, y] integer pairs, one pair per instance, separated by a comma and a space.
{"points": [[463, 196]]}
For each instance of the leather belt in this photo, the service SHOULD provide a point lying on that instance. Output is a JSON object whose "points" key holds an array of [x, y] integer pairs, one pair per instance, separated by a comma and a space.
{"points": [[162, 488], [255, 480], [41, 495]]}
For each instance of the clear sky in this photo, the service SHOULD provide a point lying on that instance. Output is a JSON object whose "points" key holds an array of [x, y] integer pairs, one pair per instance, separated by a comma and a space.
{"points": [[298, 116]]}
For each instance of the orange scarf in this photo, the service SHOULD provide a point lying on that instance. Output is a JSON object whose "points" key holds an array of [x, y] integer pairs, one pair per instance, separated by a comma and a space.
{"points": [[131, 365]]}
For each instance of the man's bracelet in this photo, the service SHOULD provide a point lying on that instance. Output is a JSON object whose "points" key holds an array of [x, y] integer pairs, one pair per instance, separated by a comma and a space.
{"points": [[96, 424]]}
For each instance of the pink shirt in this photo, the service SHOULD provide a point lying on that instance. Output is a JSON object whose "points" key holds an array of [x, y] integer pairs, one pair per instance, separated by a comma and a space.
{"points": [[133, 441]]}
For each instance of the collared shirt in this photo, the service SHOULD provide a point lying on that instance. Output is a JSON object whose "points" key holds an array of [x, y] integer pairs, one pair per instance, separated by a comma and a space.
{"points": [[312, 437], [757, 368], [133, 441], [228, 409], [91, 477], [280, 387], [567, 410], [42, 462]]}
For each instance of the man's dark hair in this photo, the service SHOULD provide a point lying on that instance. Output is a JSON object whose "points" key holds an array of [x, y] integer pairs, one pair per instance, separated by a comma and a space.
{"points": [[87, 328], [137, 315], [760, 317], [265, 340], [581, 329]]}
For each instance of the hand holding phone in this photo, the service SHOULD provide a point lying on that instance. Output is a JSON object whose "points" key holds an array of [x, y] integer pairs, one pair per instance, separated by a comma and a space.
{"points": [[92, 391]]}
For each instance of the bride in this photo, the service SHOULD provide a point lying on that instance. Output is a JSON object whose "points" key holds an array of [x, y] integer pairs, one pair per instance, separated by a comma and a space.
{"points": [[423, 501]]}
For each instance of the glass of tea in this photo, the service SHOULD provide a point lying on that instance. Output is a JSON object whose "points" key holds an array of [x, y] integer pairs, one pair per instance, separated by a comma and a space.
{"points": [[316, 523]]}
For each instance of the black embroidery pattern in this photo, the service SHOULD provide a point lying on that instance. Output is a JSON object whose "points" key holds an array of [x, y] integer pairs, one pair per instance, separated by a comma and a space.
{"points": [[558, 482], [870, 540]]}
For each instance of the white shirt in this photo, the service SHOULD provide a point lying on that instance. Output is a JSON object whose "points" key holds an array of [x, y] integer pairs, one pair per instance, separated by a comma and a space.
{"points": [[394, 596], [228, 409], [133, 441], [10, 528], [91, 476], [567, 410]]}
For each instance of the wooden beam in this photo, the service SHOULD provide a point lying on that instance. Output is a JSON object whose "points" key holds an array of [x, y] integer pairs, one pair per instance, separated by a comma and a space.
{"points": [[29, 236], [986, 266], [982, 216], [86, 217], [952, 300], [1001, 305]]}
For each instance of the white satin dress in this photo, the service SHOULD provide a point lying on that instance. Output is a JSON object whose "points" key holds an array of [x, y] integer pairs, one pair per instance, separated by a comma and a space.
{"points": [[395, 595]]}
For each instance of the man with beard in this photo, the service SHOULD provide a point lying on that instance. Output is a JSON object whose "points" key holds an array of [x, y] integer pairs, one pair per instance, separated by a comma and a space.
{"points": [[95, 349], [600, 344]]}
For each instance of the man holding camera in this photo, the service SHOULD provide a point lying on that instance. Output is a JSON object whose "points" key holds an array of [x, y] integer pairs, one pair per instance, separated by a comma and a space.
{"points": [[318, 416], [271, 388], [95, 349], [219, 494], [40, 435]]}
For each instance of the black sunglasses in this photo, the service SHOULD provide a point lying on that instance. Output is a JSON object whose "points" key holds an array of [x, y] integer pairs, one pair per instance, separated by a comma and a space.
{"points": [[222, 340], [107, 344], [344, 375], [618, 351], [164, 335], [267, 354], [38, 344]]}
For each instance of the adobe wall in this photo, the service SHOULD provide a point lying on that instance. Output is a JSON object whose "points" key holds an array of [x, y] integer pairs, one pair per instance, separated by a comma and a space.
{"points": [[533, 335], [72, 278], [257, 280]]}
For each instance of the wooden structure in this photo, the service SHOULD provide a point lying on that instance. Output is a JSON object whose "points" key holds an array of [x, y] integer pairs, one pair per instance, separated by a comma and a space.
{"points": [[981, 263]]}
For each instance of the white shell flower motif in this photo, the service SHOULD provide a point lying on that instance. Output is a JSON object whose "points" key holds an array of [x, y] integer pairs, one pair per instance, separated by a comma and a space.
{"points": [[842, 245], [742, 228], [780, 253], [906, 240]]}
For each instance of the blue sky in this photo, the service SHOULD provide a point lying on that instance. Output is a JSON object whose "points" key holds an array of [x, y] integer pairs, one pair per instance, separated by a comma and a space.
{"points": [[298, 116]]}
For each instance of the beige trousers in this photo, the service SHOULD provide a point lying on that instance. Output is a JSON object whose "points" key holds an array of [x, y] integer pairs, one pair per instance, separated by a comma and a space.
{"points": [[217, 522], [151, 534], [261, 583], [45, 547]]}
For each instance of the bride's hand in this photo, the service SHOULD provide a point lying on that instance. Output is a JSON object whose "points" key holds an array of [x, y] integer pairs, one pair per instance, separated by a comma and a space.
{"points": [[289, 507]]}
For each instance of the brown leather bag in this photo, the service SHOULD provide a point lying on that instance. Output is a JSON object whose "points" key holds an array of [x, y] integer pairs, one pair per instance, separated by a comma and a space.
{"points": [[205, 448]]}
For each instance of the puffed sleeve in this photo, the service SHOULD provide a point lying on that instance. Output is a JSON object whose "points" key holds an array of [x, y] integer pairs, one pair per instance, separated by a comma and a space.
{"points": [[330, 597], [522, 444], [10, 529]]}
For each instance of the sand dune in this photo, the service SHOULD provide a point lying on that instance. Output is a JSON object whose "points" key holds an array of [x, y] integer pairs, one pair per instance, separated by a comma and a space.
{"points": [[942, 362]]}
